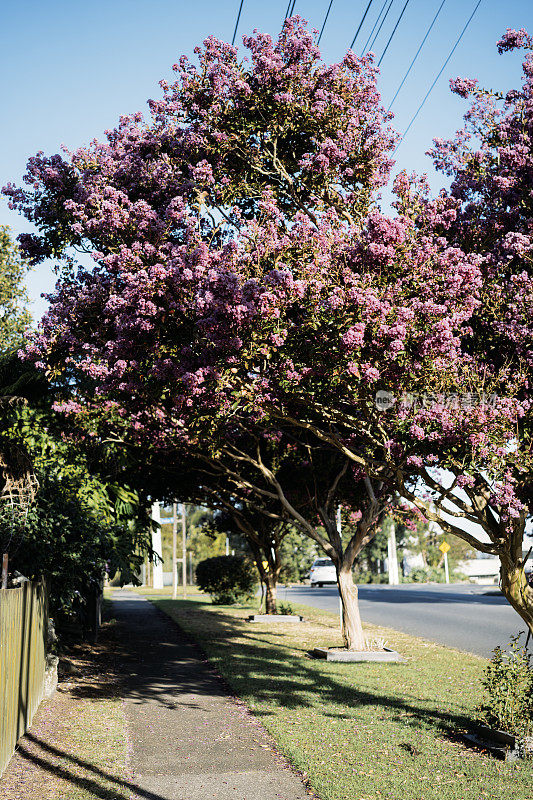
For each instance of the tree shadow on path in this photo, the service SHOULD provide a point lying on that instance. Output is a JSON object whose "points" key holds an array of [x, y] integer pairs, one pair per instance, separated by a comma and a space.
{"points": [[93, 783], [277, 676]]}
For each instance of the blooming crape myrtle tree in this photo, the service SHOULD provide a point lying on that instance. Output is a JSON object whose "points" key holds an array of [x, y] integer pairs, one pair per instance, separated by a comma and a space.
{"points": [[427, 339], [488, 213], [244, 281], [165, 209]]}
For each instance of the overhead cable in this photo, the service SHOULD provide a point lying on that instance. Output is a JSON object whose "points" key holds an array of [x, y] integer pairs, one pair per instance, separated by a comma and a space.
{"points": [[450, 54], [393, 32], [237, 23], [381, 25], [290, 10], [324, 23], [361, 24], [411, 65]]}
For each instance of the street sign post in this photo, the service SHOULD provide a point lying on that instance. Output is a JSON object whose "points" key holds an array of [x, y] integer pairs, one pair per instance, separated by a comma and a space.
{"points": [[444, 547]]}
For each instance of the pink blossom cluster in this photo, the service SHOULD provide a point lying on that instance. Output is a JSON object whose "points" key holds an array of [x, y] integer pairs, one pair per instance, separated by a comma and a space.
{"points": [[243, 273]]}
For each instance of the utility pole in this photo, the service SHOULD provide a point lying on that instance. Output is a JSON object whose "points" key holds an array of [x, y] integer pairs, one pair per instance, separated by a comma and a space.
{"points": [[339, 531], [174, 551], [392, 555], [157, 569], [184, 549]]}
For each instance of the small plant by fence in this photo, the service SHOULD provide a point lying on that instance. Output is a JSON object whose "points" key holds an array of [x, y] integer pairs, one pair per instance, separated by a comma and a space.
{"points": [[23, 636]]}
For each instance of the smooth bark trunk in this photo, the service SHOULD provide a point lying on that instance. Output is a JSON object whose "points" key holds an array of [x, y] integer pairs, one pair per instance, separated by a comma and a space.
{"points": [[515, 588], [270, 593], [352, 629], [268, 572]]}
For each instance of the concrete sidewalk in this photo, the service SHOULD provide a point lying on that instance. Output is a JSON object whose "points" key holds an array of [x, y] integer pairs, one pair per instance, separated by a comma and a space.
{"points": [[189, 740]]}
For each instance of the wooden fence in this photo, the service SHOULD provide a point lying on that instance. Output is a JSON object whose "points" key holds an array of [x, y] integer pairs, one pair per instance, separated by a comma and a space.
{"points": [[23, 634]]}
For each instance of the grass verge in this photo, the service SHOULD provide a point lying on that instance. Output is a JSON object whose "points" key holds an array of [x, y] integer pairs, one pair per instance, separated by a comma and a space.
{"points": [[358, 731]]}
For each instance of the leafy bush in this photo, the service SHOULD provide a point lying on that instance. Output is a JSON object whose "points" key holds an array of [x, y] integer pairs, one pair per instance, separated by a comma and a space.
{"points": [[508, 684], [228, 579], [285, 608], [70, 546], [366, 576], [426, 574]]}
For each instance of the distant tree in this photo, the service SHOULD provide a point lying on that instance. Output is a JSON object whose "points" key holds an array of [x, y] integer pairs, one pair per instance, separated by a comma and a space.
{"points": [[424, 539], [297, 553], [14, 314], [203, 540]]}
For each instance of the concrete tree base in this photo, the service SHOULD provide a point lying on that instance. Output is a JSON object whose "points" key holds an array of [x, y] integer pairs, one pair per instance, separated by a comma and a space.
{"points": [[500, 744], [357, 656], [275, 618]]}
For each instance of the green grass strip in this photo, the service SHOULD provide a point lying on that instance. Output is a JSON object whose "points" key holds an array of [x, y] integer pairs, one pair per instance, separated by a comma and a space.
{"points": [[357, 731]]}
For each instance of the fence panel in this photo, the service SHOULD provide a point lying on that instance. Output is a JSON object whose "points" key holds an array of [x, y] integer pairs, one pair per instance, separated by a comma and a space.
{"points": [[23, 633]]}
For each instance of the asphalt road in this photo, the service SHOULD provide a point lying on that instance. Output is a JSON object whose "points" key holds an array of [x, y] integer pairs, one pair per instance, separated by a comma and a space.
{"points": [[470, 618]]}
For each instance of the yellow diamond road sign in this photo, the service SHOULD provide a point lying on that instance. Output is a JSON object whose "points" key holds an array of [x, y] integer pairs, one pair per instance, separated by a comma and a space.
{"points": [[444, 547]]}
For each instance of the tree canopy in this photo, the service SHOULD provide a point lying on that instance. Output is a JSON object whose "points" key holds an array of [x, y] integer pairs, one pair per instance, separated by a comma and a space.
{"points": [[250, 302], [14, 314]]}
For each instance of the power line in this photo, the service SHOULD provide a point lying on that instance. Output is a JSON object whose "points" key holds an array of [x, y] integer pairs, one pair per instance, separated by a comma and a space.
{"points": [[325, 20], [422, 43], [374, 26], [393, 32], [237, 23], [450, 54], [361, 23], [381, 25], [290, 10]]}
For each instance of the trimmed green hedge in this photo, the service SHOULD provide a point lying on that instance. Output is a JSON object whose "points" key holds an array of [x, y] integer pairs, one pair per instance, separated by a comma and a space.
{"points": [[228, 579]]}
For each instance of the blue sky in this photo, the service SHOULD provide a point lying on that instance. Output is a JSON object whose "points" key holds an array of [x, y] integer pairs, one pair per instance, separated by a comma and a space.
{"points": [[70, 69]]}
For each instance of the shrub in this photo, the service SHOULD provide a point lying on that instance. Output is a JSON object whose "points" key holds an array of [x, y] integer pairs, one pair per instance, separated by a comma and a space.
{"points": [[426, 574], [508, 684], [285, 608], [228, 579], [70, 546], [366, 576]]}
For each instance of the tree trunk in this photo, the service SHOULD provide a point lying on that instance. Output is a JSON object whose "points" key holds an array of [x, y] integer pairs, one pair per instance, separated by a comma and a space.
{"points": [[271, 591], [515, 588], [268, 573], [352, 629]]}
